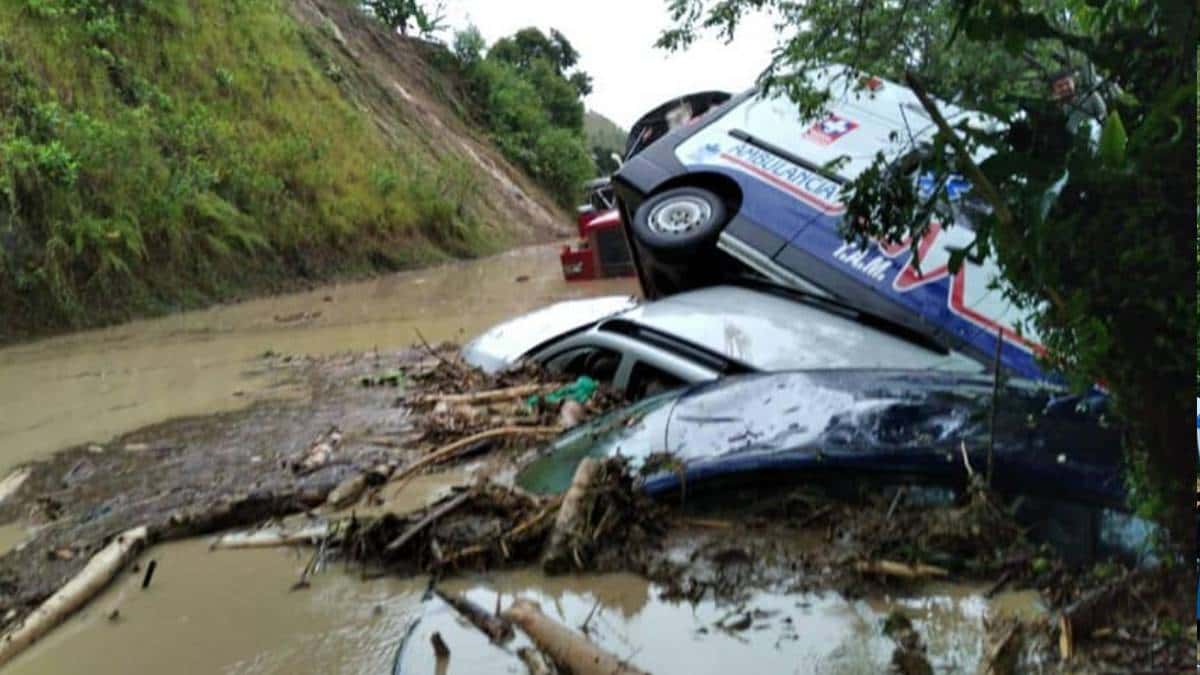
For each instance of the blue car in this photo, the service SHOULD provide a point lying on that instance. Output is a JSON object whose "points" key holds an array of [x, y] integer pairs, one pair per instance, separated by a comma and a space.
{"points": [[748, 187]]}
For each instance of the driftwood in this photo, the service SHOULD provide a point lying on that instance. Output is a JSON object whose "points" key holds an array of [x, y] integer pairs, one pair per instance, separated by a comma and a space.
{"points": [[448, 451], [560, 550], [497, 628], [1003, 655], [488, 396], [536, 662], [13, 482], [891, 568], [271, 538], [425, 522], [569, 650], [1081, 618], [99, 571]]}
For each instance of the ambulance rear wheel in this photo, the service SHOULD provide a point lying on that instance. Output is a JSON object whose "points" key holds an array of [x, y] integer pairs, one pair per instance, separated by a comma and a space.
{"points": [[680, 222]]}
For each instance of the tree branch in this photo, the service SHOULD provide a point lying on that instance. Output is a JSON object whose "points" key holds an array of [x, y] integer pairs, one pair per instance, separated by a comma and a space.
{"points": [[974, 173], [1003, 214]]}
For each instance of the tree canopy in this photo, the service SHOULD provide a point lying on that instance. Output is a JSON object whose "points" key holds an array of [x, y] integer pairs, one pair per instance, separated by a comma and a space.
{"points": [[1091, 191], [530, 90]]}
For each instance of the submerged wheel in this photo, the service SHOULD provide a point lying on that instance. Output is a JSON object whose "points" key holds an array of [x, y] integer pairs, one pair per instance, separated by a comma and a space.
{"points": [[680, 221]]}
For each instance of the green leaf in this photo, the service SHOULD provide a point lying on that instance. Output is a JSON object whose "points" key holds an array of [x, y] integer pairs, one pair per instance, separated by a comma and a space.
{"points": [[1112, 141], [1050, 196]]}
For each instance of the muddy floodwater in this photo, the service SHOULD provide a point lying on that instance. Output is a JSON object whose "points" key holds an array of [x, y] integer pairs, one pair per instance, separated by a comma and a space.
{"points": [[231, 612], [235, 611], [91, 386]]}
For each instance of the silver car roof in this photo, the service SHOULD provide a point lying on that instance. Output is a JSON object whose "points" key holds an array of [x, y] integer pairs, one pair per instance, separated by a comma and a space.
{"points": [[770, 333]]}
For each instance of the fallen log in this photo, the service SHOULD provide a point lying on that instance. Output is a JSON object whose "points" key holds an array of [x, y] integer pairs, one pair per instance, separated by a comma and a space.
{"points": [[891, 568], [271, 538], [560, 552], [569, 650], [497, 628], [99, 571], [448, 451]]}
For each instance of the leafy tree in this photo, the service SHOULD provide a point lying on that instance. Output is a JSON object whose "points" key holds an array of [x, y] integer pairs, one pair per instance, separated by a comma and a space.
{"points": [[530, 46], [469, 46], [531, 104], [398, 14], [1091, 200]]}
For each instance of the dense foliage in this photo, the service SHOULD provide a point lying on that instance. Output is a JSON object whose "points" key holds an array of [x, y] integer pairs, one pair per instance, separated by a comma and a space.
{"points": [[1092, 201], [149, 149], [528, 93]]}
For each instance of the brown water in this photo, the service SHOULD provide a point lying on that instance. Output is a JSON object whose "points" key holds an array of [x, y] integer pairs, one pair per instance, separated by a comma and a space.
{"points": [[231, 611], [90, 386]]}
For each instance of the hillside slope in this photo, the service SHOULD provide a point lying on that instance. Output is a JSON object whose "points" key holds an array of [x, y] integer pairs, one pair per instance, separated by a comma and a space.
{"points": [[159, 156], [603, 132], [605, 138]]}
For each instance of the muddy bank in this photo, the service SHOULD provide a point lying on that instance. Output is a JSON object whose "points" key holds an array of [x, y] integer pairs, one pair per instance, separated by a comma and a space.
{"points": [[203, 475]]}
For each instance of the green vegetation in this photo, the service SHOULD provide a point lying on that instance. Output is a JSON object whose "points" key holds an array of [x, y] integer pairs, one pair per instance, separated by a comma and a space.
{"points": [[1089, 195], [528, 95], [605, 138], [162, 154], [398, 14]]}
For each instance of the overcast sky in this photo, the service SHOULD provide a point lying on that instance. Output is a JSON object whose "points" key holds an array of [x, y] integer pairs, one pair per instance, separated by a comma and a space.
{"points": [[615, 40]]}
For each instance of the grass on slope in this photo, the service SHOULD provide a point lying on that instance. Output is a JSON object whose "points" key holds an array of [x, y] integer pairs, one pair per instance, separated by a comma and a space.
{"points": [[163, 153]]}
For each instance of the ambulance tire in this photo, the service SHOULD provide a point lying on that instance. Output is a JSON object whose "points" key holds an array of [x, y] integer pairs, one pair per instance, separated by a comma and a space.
{"points": [[678, 223]]}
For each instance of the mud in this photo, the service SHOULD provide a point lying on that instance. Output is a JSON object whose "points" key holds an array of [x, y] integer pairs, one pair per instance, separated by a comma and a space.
{"points": [[89, 387]]}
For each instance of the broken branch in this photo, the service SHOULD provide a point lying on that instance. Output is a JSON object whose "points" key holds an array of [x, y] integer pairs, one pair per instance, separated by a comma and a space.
{"points": [[270, 538], [519, 391], [560, 550], [891, 568], [99, 571], [425, 522], [497, 628], [568, 649], [448, 451]]}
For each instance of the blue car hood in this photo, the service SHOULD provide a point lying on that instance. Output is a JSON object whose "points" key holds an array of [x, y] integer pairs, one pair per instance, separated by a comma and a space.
{"points": [[901, 422]]}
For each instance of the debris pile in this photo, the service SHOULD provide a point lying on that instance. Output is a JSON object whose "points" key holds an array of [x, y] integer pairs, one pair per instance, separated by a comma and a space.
{"points": [[489, 526], [451, 400]]}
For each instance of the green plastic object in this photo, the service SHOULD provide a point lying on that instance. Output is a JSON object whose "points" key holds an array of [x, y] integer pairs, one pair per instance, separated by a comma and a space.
{"points": [[580, 390]]}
